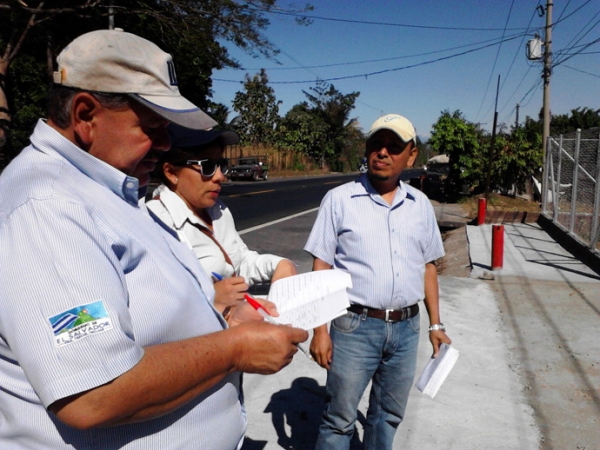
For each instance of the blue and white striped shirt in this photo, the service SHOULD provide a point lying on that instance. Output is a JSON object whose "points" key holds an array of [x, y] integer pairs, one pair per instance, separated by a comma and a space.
{"points": [[74, 242], [383, 247]]}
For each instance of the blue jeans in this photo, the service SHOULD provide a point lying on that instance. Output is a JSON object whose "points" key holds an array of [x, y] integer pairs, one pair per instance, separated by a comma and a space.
{"points": [[367, 349]]}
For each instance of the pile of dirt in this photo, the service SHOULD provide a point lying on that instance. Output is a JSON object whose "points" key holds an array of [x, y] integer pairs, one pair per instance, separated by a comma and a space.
{"points": [[457, 262]]}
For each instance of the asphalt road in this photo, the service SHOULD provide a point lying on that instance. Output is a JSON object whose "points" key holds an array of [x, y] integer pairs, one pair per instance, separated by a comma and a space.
{"points": [[254, 203]]}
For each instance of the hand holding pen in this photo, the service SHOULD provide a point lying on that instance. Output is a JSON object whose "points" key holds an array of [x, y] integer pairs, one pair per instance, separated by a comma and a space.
{"points": [[263, 312], [229, 291]]}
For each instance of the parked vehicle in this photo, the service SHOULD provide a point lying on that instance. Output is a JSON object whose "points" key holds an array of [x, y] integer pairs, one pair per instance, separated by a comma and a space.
{"points": [[363, 166], [434, 176], [251, 168]]}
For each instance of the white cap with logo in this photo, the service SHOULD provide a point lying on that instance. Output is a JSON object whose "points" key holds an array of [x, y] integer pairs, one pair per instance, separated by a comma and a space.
{"points": [[113, 61], [396, 123]]}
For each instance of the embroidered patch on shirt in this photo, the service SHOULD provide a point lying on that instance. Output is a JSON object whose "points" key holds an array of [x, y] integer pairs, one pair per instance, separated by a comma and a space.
{"points": [[79, 322]]}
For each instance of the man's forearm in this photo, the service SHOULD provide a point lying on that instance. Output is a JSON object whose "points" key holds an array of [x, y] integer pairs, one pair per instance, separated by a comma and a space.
{"points": [[170, 375], [167, 376], [432, 293]]}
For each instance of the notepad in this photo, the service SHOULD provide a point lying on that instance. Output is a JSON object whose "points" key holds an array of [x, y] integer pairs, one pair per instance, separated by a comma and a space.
{"points": [[436, 370], [311, 299]]}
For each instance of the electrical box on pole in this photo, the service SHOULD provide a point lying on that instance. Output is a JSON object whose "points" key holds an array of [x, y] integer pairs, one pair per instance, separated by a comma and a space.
{"points": [[534, 49]]}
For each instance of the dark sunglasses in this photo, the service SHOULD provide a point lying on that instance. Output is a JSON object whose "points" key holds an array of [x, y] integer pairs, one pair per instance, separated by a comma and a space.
{"points": [[208, 167]]}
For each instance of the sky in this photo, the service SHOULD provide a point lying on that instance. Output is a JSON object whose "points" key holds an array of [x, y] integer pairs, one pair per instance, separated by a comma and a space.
{"points": [[419, 58]]}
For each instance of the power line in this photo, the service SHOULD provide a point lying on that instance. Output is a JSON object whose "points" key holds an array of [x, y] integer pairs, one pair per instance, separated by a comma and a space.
{"points": [[571, 55], [530, 91], [559, 20], [582, 28], [389, 24], [513, 62], [495, 61], [566, 51], [351, 63], [566, 17], [379, 72], [516, 89], [562, 12], [582, 71]]}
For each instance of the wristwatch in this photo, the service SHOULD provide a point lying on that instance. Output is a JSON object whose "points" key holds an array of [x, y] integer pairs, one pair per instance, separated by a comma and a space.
{"points": [[437, 326]]}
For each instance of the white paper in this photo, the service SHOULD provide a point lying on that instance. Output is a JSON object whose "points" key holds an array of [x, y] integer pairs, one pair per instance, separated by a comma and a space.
{"points": [[311, 299], [436, 370]]}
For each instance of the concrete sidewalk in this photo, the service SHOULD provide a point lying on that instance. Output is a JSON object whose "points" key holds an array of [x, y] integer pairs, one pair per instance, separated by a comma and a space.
{"points": [[514, 385]]}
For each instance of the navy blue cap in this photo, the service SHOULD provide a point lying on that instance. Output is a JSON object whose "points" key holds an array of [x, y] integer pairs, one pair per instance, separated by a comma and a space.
{"points": [[182, 137]]}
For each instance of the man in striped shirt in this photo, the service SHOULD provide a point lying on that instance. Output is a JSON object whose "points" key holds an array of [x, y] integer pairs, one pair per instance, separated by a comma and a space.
{"points": [[384, 234], [108, 334]]}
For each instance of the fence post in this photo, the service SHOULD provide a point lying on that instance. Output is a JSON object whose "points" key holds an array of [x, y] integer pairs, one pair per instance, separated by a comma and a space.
{"points": [[546, 178], [574, 181], [556, 184], [596, 212]]}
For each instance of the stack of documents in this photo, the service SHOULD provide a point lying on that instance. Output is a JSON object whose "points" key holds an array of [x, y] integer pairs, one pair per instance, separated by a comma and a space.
{"points": [[311, 299], [436, 370]]}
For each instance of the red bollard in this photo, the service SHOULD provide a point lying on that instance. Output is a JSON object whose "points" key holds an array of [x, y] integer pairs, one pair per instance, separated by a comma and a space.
{"points": [[482, 206], [497, 246]]}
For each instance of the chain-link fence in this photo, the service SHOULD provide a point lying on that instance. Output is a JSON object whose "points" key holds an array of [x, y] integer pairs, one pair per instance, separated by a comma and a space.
{"points": [[572, 179]]}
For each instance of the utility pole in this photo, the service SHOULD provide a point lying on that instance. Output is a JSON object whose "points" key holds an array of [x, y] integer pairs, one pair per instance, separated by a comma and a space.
{"points": [[517, 119], [111, 16], [546, 75], [492, 144]]}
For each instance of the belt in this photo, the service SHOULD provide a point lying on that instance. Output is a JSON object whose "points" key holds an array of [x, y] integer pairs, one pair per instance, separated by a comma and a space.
{"points": [[389, 315]]}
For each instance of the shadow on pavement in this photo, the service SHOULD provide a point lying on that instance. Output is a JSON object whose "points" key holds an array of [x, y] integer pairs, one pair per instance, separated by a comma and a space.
{"points": [[296, 416]]}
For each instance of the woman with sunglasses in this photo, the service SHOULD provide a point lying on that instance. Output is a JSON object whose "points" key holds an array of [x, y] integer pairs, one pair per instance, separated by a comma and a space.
{"points": [[191, 174]]}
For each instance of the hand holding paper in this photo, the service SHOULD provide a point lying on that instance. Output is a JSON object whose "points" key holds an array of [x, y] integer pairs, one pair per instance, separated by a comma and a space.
{"points": [[436, 370], [311, 299], [263, 312]]}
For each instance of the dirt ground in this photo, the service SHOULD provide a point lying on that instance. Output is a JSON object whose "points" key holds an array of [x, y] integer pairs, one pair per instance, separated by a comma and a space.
{"points": [[456, 263]]}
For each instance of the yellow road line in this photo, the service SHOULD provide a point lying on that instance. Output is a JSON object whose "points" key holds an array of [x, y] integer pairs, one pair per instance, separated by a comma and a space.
{"points": [[251, 193]]}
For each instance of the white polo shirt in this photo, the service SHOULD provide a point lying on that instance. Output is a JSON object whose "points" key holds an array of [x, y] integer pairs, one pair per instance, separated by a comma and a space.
{"points": [[383, 247], [88, 280]]}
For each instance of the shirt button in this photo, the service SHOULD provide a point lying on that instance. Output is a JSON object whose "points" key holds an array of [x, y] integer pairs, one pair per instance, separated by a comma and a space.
{"points": [[129, 185]]}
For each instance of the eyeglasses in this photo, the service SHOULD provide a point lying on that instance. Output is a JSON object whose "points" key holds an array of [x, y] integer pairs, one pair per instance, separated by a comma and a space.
{"points": [[208, 167]]}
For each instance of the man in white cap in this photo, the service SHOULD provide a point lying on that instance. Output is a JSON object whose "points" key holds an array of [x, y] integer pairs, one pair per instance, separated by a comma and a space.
{"points": [[108, 337], [384, 234]]}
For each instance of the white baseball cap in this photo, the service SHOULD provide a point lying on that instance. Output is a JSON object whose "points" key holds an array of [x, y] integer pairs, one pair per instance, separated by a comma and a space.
{"points": [[113, 61], [396, 123]]}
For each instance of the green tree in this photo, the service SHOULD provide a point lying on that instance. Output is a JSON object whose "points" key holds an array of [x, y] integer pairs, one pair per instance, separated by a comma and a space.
{"points": [[219, 112], [425, 152], [188, 29], [333, 109], [516, 160], [454, 136], [579, 118], [353, 149], [584, 118], [302, 132], [258, 109]]}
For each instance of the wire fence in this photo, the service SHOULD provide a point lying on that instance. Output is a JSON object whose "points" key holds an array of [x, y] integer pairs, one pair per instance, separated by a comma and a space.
{"points": [[572, 177]]}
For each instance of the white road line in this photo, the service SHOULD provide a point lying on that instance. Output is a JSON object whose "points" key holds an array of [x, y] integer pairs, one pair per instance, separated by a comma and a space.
{"points": [[283, 219]]}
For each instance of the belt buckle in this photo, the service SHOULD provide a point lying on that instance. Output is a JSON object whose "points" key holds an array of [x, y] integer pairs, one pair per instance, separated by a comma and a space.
{"points": [[387, 314]]}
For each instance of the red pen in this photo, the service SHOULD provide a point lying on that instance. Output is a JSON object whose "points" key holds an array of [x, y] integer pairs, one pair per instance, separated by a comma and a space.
{"points": [[261, 309], [263, 312]]}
